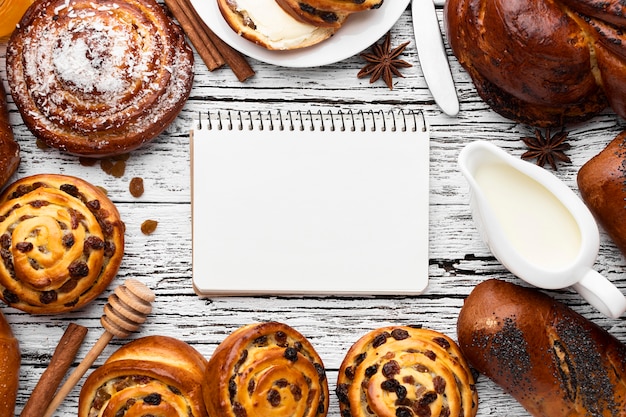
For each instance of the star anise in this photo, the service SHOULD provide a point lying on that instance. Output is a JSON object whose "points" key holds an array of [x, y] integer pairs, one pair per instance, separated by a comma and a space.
{"points": [[548, 149], [383, 62]]}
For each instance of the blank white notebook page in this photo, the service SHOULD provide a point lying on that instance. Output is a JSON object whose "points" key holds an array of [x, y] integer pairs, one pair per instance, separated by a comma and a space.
{"points": [[310, 211]]}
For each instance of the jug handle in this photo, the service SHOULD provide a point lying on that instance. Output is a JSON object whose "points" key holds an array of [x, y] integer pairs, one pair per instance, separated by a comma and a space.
{"points": [[601, 293]]}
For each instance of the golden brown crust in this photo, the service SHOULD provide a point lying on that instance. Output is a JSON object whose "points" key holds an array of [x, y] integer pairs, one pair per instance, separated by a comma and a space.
{"points": [[10, 361], [548, 357], [243, 25], [9, 149], [153, 375], [541, 63], [268, 368], [401, 370], [97, 79], [61, 241], [601, 184]]}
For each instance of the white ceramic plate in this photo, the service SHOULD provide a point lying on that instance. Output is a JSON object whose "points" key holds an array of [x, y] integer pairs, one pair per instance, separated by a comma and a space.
{"points": [[359, 32]]}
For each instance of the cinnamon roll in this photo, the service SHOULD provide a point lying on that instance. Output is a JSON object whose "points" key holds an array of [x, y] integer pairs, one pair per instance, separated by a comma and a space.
{"points": [[405, 371], [98, 78], [150, 376], [266, 369], [61, 243]]}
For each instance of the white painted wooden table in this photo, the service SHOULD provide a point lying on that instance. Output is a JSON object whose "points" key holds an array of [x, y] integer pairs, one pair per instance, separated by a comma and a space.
{"points": [[458, 258]]}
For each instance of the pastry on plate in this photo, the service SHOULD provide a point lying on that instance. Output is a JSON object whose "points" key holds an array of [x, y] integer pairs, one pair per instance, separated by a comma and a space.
{"points": [[150, 376], [332, 13], [266, 369], [265, 23], [61, 242], [98, 78], [405, 371]]}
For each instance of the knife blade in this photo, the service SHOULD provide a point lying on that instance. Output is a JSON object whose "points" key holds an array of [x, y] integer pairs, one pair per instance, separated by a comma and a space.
{"points": [[432, 55]]}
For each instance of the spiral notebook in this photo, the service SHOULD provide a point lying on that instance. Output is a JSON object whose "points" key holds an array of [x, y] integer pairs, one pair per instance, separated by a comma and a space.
{"points": [[302, 203]]}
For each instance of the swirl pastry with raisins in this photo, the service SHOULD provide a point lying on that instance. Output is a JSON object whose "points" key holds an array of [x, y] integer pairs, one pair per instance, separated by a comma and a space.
{"points": [[98, 78], [266, 369], [61, 243], [150, 376], [405, 371]]}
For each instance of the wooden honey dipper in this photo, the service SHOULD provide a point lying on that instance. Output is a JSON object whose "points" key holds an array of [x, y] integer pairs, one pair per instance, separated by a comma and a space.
{"points": [[126, 309]]}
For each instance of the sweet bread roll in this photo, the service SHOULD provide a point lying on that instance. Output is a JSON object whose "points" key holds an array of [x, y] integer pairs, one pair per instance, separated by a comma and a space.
{"points": [[265, 23], [10, 361], [9, 149], [98, 78], [405, 371], [551, 359], [601, 183], [266, 369], [150, 376], [61, 243], [542, 63]]}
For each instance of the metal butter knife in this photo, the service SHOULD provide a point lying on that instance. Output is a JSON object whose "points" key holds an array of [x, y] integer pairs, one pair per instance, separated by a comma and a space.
{"points": [[432, 55]]}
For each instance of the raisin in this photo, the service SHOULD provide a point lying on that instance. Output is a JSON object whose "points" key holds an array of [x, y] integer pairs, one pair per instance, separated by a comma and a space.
{"points": [[38, 203], [239, 410], [251, 386], [431, 355], [342, 393], [109, 249], [401, 392], [273, 397], [291, 354], [439, 384], [10, 297], [136, 187], [379, 340], [93, 205], [260, 341], [24, 247], [403, 412], [68, 286], [93, 243], [443, 342], [281, 338], [148, 227], [321, 372], [175, 390], [399, 334], [232, 387], [428, 398], [371, 371], [360, 358], [281, 383], [78, 269], [68, 240], [389, 385], [5, 241], [70, 189], [296, 392], [390, 369], [47, 297], [152, 399]]}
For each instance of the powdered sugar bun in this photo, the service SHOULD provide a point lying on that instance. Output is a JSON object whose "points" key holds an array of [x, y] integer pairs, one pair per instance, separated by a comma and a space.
{"points": [[98, 78]]}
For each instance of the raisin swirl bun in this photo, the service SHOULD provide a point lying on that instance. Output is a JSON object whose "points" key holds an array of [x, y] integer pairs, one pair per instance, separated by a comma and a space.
{"points": [[61, 243], [150, 376], [98, 78], [10, 361], [266, 369], [9, 149], [405, 371]]}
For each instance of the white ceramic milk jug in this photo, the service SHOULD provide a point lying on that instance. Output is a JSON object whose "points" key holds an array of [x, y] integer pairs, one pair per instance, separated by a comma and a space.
{"points": [[535, 225]]}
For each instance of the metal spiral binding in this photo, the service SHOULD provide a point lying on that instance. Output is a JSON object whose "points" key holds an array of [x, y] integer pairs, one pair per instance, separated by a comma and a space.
{"points": [[294, 120]]}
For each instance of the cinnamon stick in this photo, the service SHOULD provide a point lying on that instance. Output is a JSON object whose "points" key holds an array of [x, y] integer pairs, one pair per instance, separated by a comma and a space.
{"points": [[203, 44], [51, 378], [234, 59]]}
